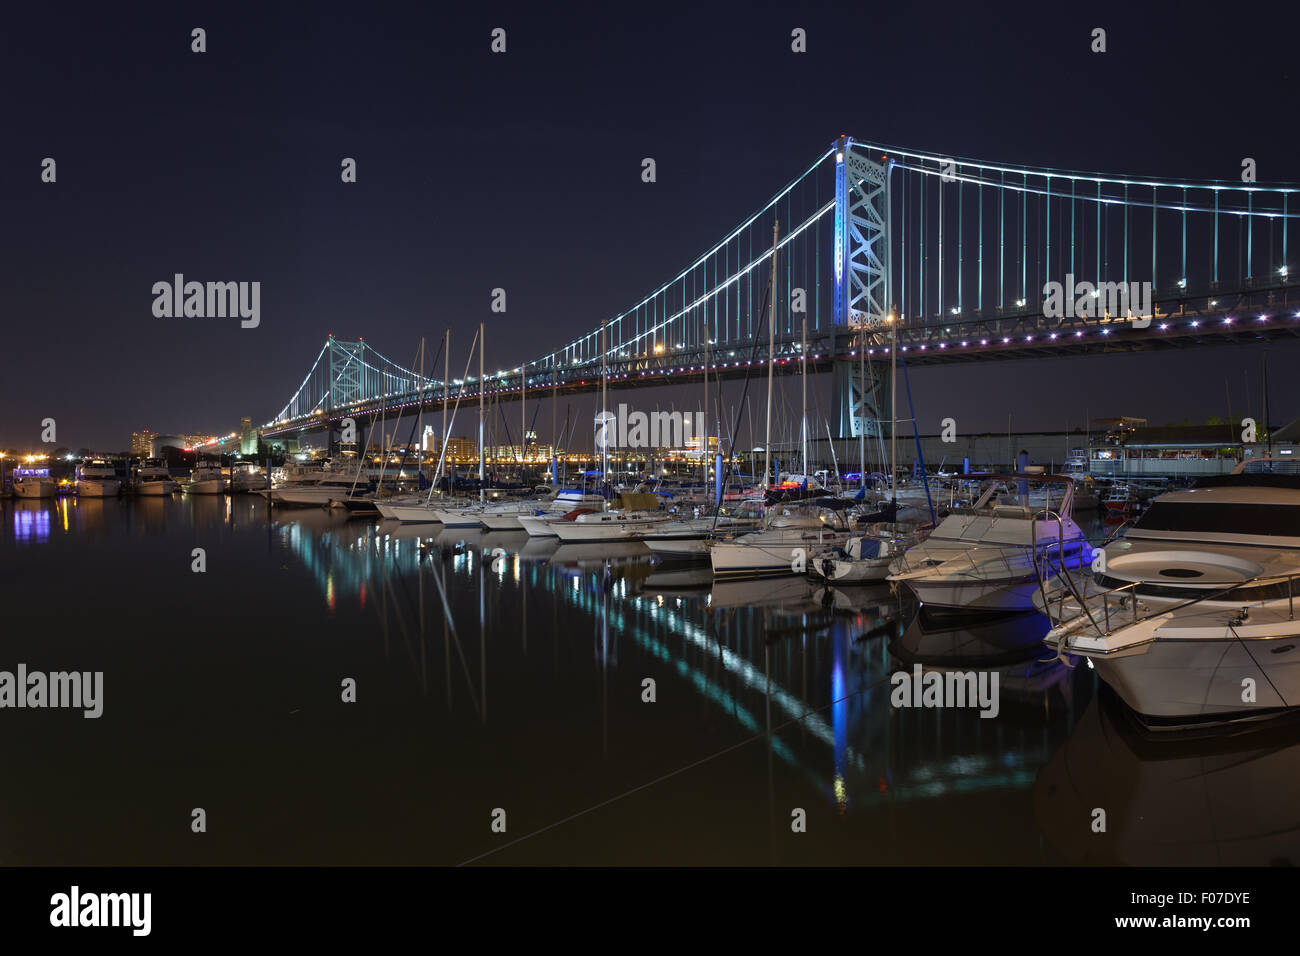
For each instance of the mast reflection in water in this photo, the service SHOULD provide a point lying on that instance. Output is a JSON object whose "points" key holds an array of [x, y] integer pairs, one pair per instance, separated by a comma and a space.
{"points": [[498, 672]]}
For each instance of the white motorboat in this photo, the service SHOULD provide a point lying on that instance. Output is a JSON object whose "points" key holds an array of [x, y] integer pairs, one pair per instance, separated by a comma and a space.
{"points": [[246, 476], [97, 478], [34, 483], [1191, 616], [987, 556], [154, 478], [206, 479], [793, 534], [331, 485]]}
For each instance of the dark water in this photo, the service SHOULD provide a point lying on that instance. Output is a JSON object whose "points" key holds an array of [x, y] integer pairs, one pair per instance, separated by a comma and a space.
{"points": [[512, 679]]}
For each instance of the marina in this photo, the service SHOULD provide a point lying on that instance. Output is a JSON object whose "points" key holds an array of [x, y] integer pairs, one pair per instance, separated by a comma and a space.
{"points": [[760, 444]]}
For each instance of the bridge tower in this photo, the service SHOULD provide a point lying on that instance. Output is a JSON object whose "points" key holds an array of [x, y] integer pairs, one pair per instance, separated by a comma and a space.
{"points": [[862, 293], [347, 384]]}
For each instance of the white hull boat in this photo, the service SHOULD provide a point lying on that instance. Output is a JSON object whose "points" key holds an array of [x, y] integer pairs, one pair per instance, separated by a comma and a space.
{"points": [[207, 486], [988, 558], [862, 560], [608, 526], [34, 486], [783, 547], [97, 479], [1191, 616]]}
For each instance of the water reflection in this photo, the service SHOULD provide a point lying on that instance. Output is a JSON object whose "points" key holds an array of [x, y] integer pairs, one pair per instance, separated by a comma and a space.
{"points": [[808, 665], [1227, 798], [502, 670]]}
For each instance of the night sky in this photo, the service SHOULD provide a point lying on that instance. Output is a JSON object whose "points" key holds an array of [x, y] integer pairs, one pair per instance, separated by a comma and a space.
{"points": [[522, 171]]}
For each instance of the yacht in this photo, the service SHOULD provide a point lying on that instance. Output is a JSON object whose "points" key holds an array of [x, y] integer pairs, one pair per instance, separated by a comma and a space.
{"points": [[328, 485], [792, 534], [206, 479], [153, 477], [1191, 616], [246, 476], [34, 483], [97, 478], [987, 557]]}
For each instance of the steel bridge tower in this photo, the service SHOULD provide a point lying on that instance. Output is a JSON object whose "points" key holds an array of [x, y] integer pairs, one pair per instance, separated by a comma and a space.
{"points": [[861, 286]]}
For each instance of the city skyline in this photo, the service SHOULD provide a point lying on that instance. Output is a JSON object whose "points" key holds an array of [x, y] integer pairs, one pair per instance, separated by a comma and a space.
{"points": [[395, 255]]}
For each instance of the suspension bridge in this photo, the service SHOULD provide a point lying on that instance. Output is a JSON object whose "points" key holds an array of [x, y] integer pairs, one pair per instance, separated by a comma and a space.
{"points": [[945, 259]]}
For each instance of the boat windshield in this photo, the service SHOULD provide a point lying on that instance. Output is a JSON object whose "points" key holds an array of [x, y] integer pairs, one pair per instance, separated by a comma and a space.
{"points": [[1222, 518]]}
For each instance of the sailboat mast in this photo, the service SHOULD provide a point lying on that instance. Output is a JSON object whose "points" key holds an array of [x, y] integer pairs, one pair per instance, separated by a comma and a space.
{"points": [[523, 418], [704, 448], [482, 493], [771, 359], [419, 443], [862, 411], [446, 391], [893, 407], [604, 422], [803, 418]]}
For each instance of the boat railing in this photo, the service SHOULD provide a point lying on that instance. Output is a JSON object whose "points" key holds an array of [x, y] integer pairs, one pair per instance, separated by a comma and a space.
{"points": [[1104, 627], [981, 557]]}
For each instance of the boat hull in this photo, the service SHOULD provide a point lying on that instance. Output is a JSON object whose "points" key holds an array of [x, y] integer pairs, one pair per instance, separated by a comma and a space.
{"points": [[588, 531], [98, 487], [1012, 595], [734, 559], [209, 486], [42, 488], [155, 488], [1192, 681]]}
